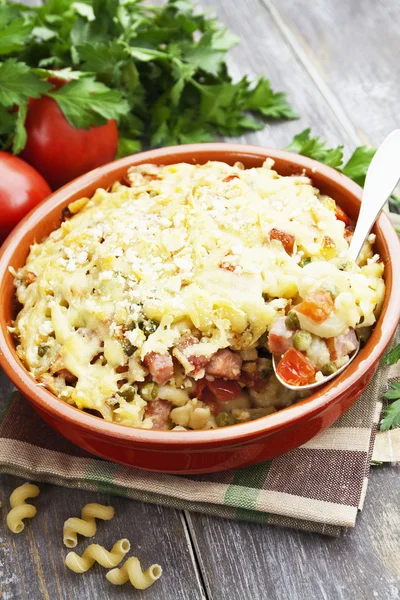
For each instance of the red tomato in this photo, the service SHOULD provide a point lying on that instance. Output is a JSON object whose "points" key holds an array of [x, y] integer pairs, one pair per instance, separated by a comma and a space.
{"points": [[317, 305], [59, 151], [21, 188], [295, 368], [200, 385], [210, 400], [341, 215], [225, 390], [287, 239]]}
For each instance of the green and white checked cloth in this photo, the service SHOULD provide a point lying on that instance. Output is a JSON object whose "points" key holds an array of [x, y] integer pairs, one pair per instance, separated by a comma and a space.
{"points": [[318, 487]]}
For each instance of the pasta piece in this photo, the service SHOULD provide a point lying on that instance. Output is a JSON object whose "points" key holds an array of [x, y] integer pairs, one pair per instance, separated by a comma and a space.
{"points": [[19, 509], [96, 553], [86, 525], [132, 570]]}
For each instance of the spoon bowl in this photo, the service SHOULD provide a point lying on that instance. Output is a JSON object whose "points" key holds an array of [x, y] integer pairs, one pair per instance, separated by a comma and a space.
{"points": [[310, 386], [382, 177]]}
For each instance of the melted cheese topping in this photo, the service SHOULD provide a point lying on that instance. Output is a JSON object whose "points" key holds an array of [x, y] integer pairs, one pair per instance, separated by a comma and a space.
{"points": [[184, 247]]}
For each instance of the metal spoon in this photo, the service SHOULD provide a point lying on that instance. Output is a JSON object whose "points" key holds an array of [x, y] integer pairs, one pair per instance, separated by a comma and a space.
{"points": [[382, 177]]}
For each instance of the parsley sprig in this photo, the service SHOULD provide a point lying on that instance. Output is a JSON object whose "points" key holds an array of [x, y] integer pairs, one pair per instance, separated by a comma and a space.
{"points": [[160, 71], [391, 417], [355, 168]]}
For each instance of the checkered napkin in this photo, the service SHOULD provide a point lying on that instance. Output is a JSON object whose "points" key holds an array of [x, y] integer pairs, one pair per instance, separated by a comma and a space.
{"points": [[318, 487]]}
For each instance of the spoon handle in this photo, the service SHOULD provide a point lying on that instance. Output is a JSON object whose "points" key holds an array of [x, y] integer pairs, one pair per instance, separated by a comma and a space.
{"points": [[382, 177]]}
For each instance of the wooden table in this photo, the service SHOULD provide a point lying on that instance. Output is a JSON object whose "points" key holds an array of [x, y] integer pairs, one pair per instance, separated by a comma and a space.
{"points": [[340, 63]]}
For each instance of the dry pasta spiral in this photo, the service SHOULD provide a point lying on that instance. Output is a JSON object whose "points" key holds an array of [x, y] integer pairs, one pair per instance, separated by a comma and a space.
{"points": [[86, 525], [132, 570], [20, 510], [96, 553]]}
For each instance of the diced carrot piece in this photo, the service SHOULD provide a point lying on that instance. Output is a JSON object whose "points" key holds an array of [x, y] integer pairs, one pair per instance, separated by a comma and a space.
{"points": [[317, 305]]}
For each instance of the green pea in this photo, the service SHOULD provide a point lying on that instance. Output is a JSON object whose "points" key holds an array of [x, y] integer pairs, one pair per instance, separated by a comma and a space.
{"points": [[302, 340], [304, 262], [128, 394], [329, 369], [149, 391], [223, 419], [42, 349], [129, 348], [292, 320], [148, 327]]}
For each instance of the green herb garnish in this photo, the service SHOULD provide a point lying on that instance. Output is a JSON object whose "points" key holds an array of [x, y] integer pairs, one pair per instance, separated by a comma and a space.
{"points": [[160, 71]]}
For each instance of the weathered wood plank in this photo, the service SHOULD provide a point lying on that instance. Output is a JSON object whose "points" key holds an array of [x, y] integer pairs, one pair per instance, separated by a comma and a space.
{"points": [[258, 562], [32, 562], [352, 50], [263, 50]]}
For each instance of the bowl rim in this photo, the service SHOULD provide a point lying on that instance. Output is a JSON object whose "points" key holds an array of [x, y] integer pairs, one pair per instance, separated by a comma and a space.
{"points": [[235, 434]]}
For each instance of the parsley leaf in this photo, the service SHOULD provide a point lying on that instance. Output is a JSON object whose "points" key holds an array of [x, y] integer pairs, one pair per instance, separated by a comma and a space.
{"points": [[127, 146], [86, 102], [392, 357], [314, 147], [267, 103], [207, 55], [17, 83], [357, 166], [100, 57], [391, 418], [14, 32]]}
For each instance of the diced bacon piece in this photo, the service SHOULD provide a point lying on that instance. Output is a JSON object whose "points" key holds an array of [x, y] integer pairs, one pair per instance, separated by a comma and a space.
{"points": [[183, 353], [186, 341], [225, 363], [160, 366], [68, 376], [158, 410], [199, 362], [342, 345], [246, 380], [287, 239], [280, 338]]}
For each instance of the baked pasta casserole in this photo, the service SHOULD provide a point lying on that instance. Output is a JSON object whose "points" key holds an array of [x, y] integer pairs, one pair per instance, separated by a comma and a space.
{"points": [[158, 303]]}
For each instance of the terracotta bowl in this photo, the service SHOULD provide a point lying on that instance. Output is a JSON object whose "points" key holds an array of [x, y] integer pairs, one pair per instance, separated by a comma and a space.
{"points": [[220, 449]]}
